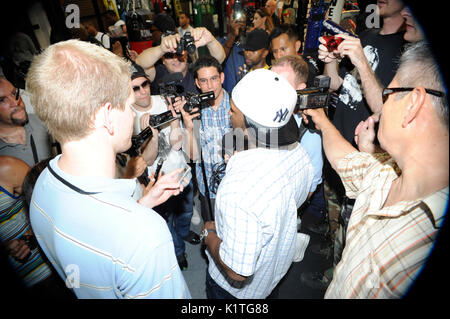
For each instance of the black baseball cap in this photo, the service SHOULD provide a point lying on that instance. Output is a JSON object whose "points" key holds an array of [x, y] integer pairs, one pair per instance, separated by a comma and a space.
{"points": [[137, 71], [256, 40]]}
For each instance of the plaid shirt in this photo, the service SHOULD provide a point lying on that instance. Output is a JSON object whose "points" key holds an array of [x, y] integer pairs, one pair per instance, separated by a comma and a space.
{"points": [[256, 213], [386, 247], [214, 125]]}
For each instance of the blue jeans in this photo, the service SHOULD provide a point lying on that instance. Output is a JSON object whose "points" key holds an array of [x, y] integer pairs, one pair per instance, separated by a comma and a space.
{"points": [[214, 291], [179, 218], [317, 204]]}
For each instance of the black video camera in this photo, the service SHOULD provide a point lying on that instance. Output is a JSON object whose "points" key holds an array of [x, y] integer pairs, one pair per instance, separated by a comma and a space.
{"points": [[314, 97], [170, 86], [138, 140], [160, 119], [192, 101], [198, 100], [187, 43]]}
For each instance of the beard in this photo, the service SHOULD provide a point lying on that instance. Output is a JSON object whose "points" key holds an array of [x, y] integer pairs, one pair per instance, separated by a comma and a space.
{"points": [[19, 121]]}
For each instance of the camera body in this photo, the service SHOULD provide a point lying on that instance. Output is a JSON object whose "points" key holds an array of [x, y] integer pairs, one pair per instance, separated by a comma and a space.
{"points": [[333, 28], [316, 96], [238, 10], [192, 101], [138, 140], [161, 119], [187, 43], [198, 100], [170, 86]]}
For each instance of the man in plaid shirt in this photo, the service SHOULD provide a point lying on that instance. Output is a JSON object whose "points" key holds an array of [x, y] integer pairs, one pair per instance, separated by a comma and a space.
{"points": [[214, 123], [401, 194]]}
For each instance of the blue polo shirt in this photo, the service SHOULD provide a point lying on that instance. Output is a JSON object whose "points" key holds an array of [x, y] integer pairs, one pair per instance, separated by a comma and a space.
{"points": [[105, 245]]}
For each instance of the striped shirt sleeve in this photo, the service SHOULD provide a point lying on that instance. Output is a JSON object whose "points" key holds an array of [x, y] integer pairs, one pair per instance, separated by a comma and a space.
{"points": [[354, 167]]}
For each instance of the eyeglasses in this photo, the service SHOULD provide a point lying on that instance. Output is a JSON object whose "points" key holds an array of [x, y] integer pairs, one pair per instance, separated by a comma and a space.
{"points": [[143, 85], [389, 91], [15, 93]]}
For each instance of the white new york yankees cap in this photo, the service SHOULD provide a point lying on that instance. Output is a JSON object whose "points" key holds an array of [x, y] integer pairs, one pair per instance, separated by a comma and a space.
{"points": [[268, 100]]}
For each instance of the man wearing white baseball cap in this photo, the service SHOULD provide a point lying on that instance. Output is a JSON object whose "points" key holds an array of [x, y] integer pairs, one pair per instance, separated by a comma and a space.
{"points": [[251, 244]]}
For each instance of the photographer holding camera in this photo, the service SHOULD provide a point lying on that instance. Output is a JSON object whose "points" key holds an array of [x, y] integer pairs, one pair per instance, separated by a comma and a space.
{"points": [[164, 145], [185, 26], [214, 123], [358, 68], [401, 195], [173, 61]]}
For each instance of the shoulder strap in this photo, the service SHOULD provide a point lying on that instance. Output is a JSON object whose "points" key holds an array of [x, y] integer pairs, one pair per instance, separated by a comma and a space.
{"points": [[33, 148]]}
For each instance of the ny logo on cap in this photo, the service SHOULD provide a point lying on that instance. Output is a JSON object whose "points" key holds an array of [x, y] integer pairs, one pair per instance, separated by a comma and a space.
{"points": [[280, 115]]}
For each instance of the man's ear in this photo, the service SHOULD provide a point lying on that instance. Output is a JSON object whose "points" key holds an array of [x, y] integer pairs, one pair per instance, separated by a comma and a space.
{"points": [[196, 83], [301, 86], [265, 53], [105, 117], [298, 44], [416, 100]]}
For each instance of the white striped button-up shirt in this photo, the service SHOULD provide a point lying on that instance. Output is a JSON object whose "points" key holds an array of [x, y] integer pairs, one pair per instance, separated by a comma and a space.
{"points": [[256, 213]]}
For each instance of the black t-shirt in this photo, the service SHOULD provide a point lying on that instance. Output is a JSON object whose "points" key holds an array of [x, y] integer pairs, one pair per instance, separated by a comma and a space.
{"points": [[383, 53], [187, 83]]}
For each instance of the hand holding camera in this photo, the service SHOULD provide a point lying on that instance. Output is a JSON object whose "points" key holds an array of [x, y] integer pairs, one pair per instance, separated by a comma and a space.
{"points": [[352, 48], [169, 42], [326, 52]]}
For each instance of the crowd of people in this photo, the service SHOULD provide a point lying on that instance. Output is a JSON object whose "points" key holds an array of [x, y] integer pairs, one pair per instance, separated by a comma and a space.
{"points": [[82, 216]]}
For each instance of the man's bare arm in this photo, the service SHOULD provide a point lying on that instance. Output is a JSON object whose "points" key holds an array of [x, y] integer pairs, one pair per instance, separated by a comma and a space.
{"points": [[335, 145], [213, 242]]}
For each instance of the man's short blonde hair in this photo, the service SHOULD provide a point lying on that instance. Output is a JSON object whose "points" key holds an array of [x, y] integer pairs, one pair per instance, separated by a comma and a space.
{"points": [[298, 65], [70, 81]]}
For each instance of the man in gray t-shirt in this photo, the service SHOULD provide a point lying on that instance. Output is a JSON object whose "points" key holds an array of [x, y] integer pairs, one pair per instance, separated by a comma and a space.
{"points": [[22, 135]]}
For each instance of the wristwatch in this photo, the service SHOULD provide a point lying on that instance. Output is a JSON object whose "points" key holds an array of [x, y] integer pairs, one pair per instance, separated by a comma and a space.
{"points": [[205, 233]]}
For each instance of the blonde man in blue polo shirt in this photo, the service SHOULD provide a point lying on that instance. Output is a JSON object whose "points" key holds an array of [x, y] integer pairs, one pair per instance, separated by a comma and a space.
{"points": [[102, 243]]}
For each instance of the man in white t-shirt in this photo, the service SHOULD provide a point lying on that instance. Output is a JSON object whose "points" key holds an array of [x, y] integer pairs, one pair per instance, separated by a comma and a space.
{"points": [[185, 26], [165, 144], [101, 37]]}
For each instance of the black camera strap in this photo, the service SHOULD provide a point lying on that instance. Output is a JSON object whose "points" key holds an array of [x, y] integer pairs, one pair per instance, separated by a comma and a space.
{"points": [[205, 180], [62, 180]]}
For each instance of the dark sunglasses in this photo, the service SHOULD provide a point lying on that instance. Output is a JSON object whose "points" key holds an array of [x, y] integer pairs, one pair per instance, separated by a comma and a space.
{"points": [[170, 55], [143, 85], [389, 91]]}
